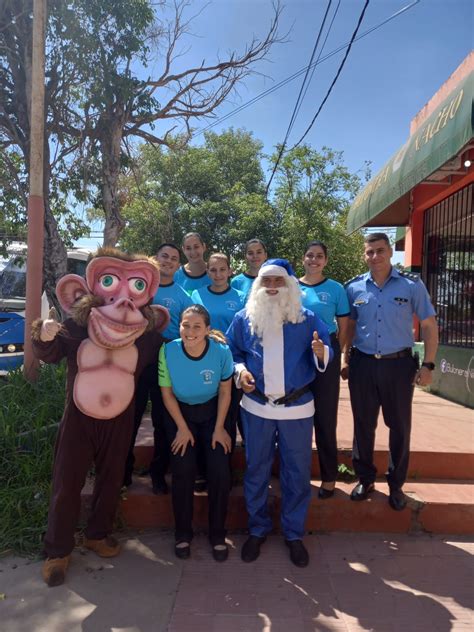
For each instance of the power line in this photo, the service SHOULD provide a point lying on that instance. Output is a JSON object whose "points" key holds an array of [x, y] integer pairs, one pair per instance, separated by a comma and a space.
{"points": [[321, 51], [299, 99], [339, 70], [298, 73]]}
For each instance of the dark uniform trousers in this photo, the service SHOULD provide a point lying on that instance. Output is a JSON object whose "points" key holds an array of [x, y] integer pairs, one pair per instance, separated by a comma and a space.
{"points": [[147, 387], [386, 383], [201, 421], [325, 389]]}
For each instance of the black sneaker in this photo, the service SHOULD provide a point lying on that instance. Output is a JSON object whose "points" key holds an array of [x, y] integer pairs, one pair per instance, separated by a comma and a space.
{"points": [[298, 553], [251, 548]]}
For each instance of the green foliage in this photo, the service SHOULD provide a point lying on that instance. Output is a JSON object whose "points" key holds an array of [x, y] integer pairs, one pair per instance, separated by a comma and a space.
{"points": [[216, 190], [29, 414], [313, 195]]}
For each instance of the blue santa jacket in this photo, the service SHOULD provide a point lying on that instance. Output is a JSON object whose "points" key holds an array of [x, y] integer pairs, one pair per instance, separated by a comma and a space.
{"points": [[298, 358]]}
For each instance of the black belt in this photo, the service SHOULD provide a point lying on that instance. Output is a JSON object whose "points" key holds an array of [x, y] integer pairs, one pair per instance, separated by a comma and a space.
{"points": [[286, 399], [404, 353]]}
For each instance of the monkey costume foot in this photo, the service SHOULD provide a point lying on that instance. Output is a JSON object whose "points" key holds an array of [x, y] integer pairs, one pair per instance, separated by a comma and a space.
{"points": [[107, 547], [54, 570]]}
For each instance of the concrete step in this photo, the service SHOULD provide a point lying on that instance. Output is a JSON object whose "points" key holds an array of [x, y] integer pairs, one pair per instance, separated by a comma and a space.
{"points": [[435, 506], [423, 464]]}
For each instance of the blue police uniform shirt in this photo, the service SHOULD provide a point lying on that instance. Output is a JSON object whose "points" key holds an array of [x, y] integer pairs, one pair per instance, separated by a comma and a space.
{"points": [[195, 380], [326, 299], [384, 315], [243, 282], [190, 283], [175, 299], [221, 305]]}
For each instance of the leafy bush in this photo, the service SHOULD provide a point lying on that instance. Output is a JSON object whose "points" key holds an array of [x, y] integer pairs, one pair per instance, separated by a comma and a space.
{"points": [[29, 414]]}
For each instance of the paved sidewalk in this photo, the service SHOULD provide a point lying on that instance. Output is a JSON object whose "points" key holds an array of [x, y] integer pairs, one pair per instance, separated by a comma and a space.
{"points": [[384, 583]]}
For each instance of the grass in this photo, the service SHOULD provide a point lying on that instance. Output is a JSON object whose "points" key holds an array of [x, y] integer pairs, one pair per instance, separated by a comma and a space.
{"points": [[29, 414]]}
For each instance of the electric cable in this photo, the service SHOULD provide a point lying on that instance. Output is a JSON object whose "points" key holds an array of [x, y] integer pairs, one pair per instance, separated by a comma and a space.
{"points": [[282, 148], [298, 73], [299, 100], [339, 70]]}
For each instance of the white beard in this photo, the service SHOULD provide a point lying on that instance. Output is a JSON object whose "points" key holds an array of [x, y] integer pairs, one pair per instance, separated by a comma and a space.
{"points": [[267, 313]]}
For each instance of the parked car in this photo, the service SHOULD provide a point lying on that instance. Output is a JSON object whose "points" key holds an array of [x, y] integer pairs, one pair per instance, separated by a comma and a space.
{"points": [[13, 298]]}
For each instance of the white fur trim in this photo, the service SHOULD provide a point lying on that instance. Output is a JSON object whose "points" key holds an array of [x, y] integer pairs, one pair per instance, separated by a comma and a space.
{"points": [[325, 360], [238, 368], [273, 363], [273, 270], [273, 411]]}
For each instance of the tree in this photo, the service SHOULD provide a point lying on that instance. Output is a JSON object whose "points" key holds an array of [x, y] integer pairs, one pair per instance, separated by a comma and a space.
{"points": [[111, 38], [217, 189], [98, 98], [15, 97], [313, 194]]}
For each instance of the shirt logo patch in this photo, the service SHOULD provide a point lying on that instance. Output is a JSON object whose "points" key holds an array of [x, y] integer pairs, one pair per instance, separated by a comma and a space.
{"points": [[323, 297], [168, 302], [231, 305], [207, 375]]}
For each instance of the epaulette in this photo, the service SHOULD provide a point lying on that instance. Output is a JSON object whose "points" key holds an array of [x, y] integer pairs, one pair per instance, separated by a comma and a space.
{"points": [[409, 275], [356, 278]]}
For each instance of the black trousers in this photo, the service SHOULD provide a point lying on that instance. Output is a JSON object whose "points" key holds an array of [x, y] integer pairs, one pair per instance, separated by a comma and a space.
{"points": [[388, 384], [147, 387], [326, 400], [201, 421]]}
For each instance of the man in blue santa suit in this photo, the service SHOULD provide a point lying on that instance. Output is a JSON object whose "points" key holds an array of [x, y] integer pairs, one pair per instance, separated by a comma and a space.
{"points": [[277, 346]]}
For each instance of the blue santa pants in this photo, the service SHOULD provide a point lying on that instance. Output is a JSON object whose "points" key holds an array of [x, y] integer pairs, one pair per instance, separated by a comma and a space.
{"points": [[294, 438]]}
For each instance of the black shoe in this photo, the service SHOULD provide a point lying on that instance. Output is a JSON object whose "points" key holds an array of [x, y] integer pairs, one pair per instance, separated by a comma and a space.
{"points": [[397, 499], [298, 553], [251, 548], [361, 491], [183, 552], [200, 485], [220, 555], [325, 493], [160, 487]]}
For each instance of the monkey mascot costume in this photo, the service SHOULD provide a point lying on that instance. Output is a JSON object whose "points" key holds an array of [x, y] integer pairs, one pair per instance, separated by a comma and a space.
{"points": [[111, 334]]}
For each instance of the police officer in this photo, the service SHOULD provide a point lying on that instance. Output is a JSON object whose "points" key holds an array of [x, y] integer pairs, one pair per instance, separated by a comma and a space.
{"points": [[381, 369]]}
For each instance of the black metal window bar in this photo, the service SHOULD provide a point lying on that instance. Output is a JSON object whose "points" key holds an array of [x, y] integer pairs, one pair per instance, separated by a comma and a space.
{"points": [[448, 266]]}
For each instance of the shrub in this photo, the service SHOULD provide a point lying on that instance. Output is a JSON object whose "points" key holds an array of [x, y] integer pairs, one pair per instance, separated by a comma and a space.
{"points": [[29, 415]]}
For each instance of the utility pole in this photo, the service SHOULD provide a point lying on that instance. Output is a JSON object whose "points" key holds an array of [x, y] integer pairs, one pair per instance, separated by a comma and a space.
{"points": [[34, 270]]}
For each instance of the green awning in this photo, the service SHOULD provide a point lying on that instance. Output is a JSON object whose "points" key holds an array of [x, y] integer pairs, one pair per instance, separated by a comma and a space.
{"points": [[385, 200]]}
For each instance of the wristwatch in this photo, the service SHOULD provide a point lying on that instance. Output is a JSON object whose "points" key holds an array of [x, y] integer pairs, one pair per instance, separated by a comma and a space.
{"points": [[429, 365]]}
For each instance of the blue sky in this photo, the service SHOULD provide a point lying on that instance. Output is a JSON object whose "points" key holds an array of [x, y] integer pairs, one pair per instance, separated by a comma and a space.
{"points": [[387, 79]]}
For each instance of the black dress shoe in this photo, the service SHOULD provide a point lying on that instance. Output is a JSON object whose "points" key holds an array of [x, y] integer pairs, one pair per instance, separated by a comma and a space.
{"points": [[298, 553], [160, 487], [251, 548], [397, 499], [183, 551], [325, 493], [220, 554], [361, 491]]}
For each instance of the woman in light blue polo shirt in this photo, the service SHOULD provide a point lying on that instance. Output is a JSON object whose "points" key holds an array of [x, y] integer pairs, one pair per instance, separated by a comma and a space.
{"points": [[328, 300], [195, 378]]}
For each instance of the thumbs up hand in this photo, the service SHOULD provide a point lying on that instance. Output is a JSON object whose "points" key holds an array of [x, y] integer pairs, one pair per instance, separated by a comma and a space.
{"points": [[50, 326], [317, 346]]}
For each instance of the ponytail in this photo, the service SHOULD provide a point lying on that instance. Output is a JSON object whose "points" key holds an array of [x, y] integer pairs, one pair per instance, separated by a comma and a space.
{"points": [[217, 335]]}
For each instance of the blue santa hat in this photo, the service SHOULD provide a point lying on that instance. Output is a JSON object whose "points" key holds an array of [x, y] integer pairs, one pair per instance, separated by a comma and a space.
{"points": [[276, 267]]}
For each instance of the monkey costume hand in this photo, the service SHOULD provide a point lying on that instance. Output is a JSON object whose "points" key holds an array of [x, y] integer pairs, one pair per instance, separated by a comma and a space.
{"points": [[50, 327]]}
